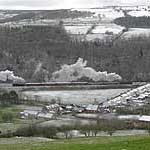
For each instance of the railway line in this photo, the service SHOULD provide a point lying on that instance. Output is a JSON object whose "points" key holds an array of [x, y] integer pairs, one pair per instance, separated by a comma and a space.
{"points": [[71, 83]]}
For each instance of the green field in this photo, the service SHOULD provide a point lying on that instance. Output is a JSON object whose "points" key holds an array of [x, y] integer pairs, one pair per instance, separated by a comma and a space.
{"points": [[10, 109], [98, 143], [15, 123]]}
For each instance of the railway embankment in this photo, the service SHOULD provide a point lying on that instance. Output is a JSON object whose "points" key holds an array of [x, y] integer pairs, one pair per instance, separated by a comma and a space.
{"points": [[32, 87]]}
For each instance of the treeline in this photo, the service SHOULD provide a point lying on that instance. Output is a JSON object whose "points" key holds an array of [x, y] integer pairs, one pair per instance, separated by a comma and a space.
{"points": [[8, 98], [88, 130], [64, 13], [12, 98], [34, 52], [44, 14], [108, 126], [133, 22]]}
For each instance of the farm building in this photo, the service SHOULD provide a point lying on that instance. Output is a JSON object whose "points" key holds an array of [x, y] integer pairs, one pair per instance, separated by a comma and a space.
{"points": [[47, 116], [28, 114], [92, 108], [54, 108]]}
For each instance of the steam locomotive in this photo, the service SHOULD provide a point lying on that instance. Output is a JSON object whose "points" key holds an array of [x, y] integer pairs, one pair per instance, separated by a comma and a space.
{"points": [[70, 83]]}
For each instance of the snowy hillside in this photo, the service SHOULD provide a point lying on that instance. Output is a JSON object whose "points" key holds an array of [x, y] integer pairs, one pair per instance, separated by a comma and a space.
{"points": [[136, 97], [136, 32], [139, 13], [92, 23]]}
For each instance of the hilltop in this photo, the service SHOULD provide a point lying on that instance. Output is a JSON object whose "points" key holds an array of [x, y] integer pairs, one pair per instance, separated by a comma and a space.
{"points": [[34, 44]]}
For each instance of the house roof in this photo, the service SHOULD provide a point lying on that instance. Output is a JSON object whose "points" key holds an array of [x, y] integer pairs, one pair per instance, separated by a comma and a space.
{"points": [[47, 116], [53, 106], [92, 107], [31, 112]]}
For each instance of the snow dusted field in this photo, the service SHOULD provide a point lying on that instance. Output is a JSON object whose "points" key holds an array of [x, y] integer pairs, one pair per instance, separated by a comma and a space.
{"points": [[104, 28], [137, 32], [100, 36], [77, 29], [139, 13], [135, 97], [74, 96], [4, 15], [101, 31], [100, 22], [105, 17], [108, 14]]}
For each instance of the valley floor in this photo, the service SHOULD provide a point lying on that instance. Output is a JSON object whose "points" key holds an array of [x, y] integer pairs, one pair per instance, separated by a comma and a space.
{"points": [[95, 143]]}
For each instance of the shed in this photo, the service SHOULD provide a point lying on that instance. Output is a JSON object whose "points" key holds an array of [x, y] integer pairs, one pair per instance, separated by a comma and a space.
{"points": [[92, 108], [46, 116]]}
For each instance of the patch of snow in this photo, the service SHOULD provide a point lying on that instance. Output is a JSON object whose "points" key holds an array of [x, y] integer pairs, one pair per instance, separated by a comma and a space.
{"points": [[5, 16], [104, 28], [136, 96], [139, 13], [73, 96], [135, 117], [129, 117], [104, 13], [92, 37], [87, 115], [77, 29], [145, 118], [137, 32]]}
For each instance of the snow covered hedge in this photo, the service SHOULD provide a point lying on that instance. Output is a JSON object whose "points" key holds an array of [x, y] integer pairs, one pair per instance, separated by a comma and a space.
{"points": [[79, 70], [9, 76]]}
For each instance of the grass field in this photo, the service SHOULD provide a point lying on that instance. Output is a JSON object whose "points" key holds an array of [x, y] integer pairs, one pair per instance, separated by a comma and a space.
{"points": [[15, 122], [10, 109], [98, 143]]}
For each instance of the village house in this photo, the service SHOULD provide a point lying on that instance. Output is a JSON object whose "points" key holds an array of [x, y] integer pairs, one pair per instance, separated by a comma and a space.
{"points": [[47, 116], [54, 108], [92, 109], [47, 112], [104, 107], [30, 114]]}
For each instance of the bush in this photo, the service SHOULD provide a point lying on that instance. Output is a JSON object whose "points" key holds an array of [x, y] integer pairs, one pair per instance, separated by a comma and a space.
{"points": [[7, 117], [48, 132], [26, 131], [33, 130], [14, 97], [9, 98]]}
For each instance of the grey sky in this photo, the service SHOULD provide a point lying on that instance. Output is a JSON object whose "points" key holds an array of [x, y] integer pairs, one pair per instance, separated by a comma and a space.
{"points": [[46, 4], [53, 4]]}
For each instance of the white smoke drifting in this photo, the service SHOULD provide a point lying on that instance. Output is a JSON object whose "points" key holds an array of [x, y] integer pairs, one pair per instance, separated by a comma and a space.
{"points": [[79, 70], [9, 76]]}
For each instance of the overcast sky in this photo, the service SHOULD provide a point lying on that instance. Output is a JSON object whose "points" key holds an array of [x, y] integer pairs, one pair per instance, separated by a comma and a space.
{"points": [[53, 4]]}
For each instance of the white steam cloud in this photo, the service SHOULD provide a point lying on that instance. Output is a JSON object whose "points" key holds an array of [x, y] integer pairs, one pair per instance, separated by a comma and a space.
{"points": [[79, 70], [9, 76]]}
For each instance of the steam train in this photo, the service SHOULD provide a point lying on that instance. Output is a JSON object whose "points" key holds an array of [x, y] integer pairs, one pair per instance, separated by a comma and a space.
{"points": [[71, 83]]}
